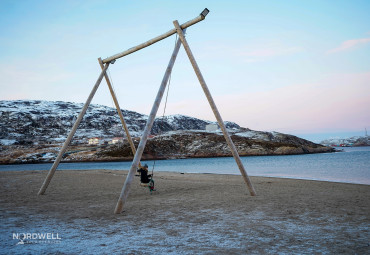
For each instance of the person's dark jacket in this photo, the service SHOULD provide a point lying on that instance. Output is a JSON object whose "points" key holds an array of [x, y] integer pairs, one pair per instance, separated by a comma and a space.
{"points": [[144, 176]]}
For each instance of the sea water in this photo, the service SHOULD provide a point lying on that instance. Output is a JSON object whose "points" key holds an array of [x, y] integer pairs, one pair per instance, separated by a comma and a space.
{"points": [[350, 166]]}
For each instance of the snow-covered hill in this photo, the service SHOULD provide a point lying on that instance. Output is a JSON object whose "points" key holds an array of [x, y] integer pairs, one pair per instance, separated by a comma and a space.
{"points": [[39, 122], [31, 131], [352, 141]]}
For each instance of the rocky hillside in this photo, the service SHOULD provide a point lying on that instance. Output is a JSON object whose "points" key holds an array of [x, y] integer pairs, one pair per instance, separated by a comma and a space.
{"points": [[32, 131], [190, 144]]}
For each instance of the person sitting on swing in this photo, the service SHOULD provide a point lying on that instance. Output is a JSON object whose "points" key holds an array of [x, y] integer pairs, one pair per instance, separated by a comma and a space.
{"points": [[144, 176]]}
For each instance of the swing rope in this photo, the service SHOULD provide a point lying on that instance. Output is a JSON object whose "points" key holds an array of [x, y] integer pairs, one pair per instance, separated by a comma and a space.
{"points": [[112, 85], [164, 111], [162, 121], [151, 183]]}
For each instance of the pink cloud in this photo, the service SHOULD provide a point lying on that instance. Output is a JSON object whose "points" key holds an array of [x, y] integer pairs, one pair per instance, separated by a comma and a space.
{"points": [[349, 44], [339, 101]]}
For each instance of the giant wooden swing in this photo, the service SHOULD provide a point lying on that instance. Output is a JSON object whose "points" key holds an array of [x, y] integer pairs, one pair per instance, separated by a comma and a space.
{"points": [[179, 29]]}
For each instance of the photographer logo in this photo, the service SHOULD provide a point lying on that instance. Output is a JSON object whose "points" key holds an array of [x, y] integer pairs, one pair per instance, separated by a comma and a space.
{"points": [[29, 238]]}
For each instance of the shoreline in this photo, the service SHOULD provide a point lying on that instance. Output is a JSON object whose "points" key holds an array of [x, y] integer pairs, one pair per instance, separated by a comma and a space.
{"points": [[21, 154], [125, 171], [163, 158]]}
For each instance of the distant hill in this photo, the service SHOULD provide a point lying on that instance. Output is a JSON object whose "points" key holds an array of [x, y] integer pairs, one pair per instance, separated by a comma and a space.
{"points": [[352, 141], [33, 130]]}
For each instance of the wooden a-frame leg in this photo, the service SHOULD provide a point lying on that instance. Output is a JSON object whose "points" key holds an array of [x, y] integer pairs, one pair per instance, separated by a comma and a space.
{"points": [[132, 145], [149, 124], [71, 133], [214, 108]]}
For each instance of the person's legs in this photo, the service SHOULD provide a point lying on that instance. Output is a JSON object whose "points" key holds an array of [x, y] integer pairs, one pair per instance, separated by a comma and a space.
{"points": [[151, 184]]}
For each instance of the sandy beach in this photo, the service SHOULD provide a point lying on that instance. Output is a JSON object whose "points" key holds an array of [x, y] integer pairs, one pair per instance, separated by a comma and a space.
{"points": [[187, 214]]}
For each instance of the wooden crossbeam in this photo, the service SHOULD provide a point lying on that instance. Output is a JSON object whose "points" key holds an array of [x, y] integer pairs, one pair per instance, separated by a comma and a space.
{"points": [[158, 38]]}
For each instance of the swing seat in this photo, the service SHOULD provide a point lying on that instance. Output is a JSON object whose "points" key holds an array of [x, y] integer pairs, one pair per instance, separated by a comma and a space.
{"points": [[149, 185]]}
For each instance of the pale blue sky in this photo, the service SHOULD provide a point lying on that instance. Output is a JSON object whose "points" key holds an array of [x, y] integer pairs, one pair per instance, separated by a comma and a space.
{"points": [[300, 67]]}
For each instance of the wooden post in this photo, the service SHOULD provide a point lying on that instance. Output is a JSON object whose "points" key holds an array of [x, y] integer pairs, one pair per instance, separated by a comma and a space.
{"points": [[71, 133], [132, 145], [149, 124], [214, 108]]}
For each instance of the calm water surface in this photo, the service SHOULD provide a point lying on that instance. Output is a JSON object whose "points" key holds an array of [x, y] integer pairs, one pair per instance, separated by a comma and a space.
{"points": [[351, 166]]}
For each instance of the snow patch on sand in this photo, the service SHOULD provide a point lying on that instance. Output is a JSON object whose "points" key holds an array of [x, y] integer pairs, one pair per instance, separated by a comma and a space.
{"points": [[168, 234]]}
